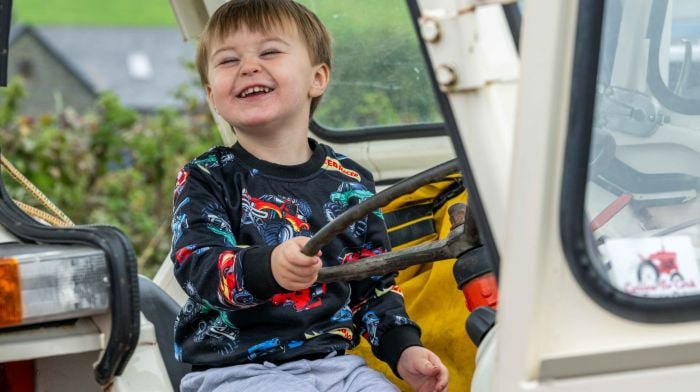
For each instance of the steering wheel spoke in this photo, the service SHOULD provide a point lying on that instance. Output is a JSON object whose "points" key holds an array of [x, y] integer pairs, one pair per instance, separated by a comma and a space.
{"points": [[458, 242]]}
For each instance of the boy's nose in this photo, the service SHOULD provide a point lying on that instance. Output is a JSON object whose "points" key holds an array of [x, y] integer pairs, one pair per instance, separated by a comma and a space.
{"points": [[250, 67]]}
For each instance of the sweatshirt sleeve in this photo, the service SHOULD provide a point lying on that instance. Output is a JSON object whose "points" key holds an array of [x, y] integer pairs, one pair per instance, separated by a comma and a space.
{"points": [[377, 302], [210, 265]]}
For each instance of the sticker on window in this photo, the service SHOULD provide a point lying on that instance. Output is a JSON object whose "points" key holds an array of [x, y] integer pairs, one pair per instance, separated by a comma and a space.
{"points": [[654, 267]]}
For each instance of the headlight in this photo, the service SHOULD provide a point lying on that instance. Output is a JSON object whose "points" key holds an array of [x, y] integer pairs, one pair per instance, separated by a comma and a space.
{"points": [[51, 282]]}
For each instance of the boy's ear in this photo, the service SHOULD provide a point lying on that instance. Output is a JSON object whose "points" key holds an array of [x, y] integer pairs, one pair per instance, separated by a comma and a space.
{"points": [[210, 98], [322, 75]]}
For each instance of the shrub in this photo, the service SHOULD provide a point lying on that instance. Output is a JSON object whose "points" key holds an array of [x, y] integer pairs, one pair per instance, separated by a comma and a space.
{"points": [[112, 166]]}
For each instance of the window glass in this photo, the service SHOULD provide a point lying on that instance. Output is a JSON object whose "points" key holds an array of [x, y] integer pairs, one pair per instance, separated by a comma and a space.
{"points": [[379, 77], [680, 57], [644, 167]]}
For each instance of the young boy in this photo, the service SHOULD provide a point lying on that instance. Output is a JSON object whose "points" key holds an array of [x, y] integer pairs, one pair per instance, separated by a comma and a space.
{"points": [[256, 317]]}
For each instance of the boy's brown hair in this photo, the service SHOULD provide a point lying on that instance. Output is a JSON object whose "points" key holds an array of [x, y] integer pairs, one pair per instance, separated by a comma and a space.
{"points": [[262, 16]]}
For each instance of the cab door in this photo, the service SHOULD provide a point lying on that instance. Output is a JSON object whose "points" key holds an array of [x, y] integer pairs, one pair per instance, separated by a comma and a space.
{"points": [[595, 218]]}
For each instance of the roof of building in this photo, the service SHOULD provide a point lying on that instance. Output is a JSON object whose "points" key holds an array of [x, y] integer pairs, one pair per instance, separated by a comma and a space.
{"points": [[143, 66]]}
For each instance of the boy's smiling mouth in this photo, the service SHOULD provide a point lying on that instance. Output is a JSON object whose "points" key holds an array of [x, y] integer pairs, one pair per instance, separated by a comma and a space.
{"points": [[254, 91]]}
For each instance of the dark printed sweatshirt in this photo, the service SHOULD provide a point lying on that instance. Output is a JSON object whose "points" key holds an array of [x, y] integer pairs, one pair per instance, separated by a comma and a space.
{"points": [[230, 210]]}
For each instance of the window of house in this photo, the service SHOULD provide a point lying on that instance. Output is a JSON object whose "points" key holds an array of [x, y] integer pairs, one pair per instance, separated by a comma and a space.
{"points": [[25, 67]]}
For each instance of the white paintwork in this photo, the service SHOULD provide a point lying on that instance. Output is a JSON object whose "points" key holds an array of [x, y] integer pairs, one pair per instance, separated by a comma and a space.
{"points": [[165, 279], [478, 46], [72, 372], [546, 50], [50, 341], [397, 159], [485, 362], [65, 371], [5, 236], [146, 370], [673, 378]]}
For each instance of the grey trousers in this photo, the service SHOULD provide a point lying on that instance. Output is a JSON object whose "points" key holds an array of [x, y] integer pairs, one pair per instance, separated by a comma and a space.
{"points": [[344, 373]]}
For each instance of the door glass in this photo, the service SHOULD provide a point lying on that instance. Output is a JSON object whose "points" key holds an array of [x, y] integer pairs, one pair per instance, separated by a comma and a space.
{"points": [[644, 166], [379, 77], [680, 58]]}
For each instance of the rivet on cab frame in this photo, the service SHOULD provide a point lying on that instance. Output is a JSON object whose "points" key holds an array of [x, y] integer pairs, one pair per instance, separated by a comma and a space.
{"points": [[430, 30], [445, 75]]}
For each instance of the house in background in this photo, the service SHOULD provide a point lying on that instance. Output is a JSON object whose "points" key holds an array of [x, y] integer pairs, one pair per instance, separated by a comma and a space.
{"points": [[70, 66]]}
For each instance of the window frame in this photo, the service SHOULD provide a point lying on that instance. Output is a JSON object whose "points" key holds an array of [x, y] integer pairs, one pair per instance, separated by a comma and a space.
{"points": [[576, 238], [415, 130], [5, 22], [377, 132]]}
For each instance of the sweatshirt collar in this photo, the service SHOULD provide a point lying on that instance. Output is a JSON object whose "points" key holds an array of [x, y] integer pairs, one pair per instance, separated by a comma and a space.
{"points": [[305, 169]]}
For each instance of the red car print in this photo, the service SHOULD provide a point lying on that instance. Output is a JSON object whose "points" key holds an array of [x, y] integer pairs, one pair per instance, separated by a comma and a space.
{"points": [[276, 218], [364, 252], [181, 179], [287, 210], [183, 253], [302, 299], [229, 284]]}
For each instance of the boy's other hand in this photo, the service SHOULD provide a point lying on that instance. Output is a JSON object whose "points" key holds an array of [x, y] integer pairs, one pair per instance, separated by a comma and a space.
{"points": [[292, 269], [422, 370]]}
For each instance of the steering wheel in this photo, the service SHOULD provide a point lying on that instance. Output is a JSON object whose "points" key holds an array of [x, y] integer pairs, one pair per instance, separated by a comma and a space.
{"points": [[462, 237]]}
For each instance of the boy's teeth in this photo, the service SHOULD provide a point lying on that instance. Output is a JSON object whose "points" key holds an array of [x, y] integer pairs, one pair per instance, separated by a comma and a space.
{"points": [[255, 89]]}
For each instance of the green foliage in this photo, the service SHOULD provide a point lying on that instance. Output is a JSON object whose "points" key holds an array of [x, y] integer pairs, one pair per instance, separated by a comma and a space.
{"points": [[114, 166], [12, 96]]}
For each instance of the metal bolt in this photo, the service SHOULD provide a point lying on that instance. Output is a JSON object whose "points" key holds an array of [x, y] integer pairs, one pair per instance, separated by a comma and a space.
{"points": [[445, 75], [430, 30]]}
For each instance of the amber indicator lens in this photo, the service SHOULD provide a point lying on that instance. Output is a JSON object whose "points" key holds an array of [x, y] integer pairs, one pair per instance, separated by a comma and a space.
{"points": [[10, 293]]}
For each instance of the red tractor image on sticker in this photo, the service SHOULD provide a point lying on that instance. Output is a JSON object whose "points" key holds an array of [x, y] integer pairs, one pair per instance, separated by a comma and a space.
{"points": [[658, 265]]}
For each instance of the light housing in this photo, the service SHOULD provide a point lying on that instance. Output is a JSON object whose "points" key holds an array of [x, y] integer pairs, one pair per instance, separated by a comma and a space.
{"points": [[40, 283]]}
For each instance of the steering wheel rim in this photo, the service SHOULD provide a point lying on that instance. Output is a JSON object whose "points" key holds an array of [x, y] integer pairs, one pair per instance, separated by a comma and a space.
{"points": [[467, 236], [379, 200]]}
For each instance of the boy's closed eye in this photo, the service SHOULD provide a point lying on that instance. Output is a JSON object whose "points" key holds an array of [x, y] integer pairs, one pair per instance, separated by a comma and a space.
{"points": [[228, 60], [267, 53]]}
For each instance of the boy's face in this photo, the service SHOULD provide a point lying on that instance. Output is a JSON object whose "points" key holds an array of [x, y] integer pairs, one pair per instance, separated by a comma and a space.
{"points": [[264, 81]]}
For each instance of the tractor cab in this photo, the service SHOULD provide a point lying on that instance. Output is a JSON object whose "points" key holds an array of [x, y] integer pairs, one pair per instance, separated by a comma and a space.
{"points": [[538, 167]]}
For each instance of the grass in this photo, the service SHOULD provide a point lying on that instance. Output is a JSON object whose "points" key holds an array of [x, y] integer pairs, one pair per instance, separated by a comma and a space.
{"points": [[159, 13], [94, 13]]}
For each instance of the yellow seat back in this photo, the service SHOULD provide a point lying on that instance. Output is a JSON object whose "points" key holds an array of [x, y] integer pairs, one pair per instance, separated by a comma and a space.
{"points": [[430, 291]]}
